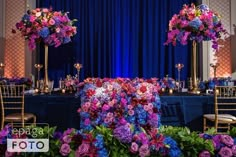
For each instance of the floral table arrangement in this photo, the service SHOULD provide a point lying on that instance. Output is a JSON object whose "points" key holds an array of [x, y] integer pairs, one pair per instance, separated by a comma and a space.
{"points": [[212, 82], [47, 26], [115, 102], [53, 28], [71, 83], [17, 81], [195, 23], [167, 83]]}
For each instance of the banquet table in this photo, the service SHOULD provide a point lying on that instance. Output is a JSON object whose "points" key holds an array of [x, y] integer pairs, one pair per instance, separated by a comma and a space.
{"points": [[56, 109], [186, 109], [61, 109]]}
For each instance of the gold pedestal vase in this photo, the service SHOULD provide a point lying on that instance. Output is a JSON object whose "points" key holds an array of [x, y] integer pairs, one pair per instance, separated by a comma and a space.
{"points": [[46, 68], [194, 67]]}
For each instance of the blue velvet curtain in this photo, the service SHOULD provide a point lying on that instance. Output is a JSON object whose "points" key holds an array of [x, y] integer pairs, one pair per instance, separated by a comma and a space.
{"points": [[119, 38]]}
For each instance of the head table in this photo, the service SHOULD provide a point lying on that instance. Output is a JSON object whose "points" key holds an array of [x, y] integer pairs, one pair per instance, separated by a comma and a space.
{"points": [[60, 109]]}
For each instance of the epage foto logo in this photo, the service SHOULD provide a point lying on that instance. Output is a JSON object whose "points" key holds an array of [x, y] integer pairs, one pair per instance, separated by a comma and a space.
{"points": [[29, 138]]}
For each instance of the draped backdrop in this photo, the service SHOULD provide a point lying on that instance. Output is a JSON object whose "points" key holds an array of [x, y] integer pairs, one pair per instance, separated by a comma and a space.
{"points": [[118, 38]]}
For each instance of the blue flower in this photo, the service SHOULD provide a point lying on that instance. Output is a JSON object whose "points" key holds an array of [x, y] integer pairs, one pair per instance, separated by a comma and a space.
{"points": [[203, 7], [174, 150], [102, 153], [195, 23], [44, 32], [66, 40], [26, 17]]}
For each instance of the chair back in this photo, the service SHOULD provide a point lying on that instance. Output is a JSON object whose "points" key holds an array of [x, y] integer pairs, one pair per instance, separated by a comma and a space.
{"points": [[225, 105], [12, 100]]}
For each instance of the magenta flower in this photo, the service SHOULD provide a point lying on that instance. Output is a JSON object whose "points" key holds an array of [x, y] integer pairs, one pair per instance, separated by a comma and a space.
{"points": [[234, 149], [144, 150], [225, 152], [134, 147], [66, 139], [227, 140], [205, 153], [65, 149], [82, 150]]}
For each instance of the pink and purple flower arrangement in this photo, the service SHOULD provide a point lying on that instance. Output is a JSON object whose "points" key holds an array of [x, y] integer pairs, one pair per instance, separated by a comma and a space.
{"points": [[225, 145], [195, 24], [47, 26], [115, 102]]}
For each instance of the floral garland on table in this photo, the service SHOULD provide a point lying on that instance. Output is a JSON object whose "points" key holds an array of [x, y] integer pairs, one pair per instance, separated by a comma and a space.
{"points": [[168, 82], [42, 24], [71, 82], [195, 24], [212, 82]]}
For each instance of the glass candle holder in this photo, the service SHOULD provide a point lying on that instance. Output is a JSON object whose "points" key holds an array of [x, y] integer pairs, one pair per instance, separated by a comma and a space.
{"points": [[2, 66], [38, 67], [179, 66]]}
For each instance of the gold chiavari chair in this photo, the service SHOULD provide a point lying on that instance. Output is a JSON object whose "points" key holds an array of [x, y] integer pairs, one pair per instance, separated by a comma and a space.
{"points": [[225, 109], [12, 106]]}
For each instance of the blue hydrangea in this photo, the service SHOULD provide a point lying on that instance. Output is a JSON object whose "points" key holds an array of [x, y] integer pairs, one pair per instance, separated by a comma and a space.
{"points": [[195, 23], [174, 150], [66, 40], [203, 7], [44, 32]]}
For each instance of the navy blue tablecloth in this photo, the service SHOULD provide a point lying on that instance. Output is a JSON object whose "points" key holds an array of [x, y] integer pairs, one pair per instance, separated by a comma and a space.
{"points": [[61, 109], [186, 110], [57, 109]]}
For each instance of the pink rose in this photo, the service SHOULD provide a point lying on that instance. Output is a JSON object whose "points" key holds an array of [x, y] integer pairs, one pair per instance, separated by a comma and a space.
{"points": [[66, 139], [144, 150], [134, 147], [65, 149], [51, 22], [82, 150]]}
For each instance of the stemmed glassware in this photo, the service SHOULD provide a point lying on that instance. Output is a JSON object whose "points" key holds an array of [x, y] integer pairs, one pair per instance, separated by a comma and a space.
{"points": [[78, 66], [179, 66], [214, 66], [38, 67]]}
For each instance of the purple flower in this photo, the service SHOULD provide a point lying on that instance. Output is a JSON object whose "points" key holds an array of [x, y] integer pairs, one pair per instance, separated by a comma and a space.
{"points": [[227, 140], [234, 149], [82, 150], [216, 141], [123, 133], [205, 153], [65, 149], [144, 150], [225, 152], [66, 139]]}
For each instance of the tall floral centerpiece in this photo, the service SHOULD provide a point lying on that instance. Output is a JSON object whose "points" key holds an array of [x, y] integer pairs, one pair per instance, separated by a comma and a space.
{"points": [[53, 28], [195, 24]]}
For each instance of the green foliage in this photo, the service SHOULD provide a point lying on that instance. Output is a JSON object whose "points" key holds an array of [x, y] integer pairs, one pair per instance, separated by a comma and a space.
{"points": [[189, 142], [211, 131], [232, 132], [114, 146]]}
